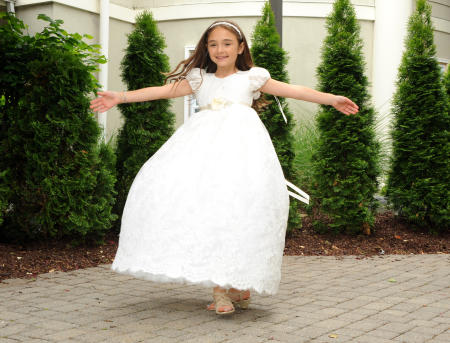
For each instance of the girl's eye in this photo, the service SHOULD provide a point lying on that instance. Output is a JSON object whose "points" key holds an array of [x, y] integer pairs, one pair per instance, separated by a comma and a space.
{"points": [[213, 45]]}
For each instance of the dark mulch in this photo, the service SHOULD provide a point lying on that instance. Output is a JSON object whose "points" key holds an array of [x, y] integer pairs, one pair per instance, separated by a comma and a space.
{"points": [[390, 236]]}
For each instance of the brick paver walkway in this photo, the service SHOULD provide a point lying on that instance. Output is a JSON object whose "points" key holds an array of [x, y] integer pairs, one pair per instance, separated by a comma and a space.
{"points": [[321, 299]]}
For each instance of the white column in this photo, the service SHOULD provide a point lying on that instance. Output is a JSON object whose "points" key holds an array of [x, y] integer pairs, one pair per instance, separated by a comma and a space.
{"points": [[104, 42], [10, 6], [391, 21]]}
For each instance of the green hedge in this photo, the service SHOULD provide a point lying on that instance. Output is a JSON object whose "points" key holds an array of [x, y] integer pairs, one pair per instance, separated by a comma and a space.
{"points": [[60, 179]]}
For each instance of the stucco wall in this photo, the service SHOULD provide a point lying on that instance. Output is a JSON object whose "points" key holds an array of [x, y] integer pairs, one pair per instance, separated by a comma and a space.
{"points": [[440, 11], [28, 14], [442, 41], [304, 49]]}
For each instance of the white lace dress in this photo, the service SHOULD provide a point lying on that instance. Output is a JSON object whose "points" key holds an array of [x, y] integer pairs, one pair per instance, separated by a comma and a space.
{"points": [[210, 207]]}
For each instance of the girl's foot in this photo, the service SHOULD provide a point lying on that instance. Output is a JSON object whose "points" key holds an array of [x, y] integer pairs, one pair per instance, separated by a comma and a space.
{"points": [[223, 301], [234, 296]]}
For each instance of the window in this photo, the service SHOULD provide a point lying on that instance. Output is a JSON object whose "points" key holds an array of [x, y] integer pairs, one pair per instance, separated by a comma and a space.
{"points": [[443, 63], [190, 104]]}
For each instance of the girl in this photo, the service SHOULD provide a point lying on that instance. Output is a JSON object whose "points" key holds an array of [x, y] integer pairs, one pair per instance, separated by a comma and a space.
{"points": [[210, 207]]}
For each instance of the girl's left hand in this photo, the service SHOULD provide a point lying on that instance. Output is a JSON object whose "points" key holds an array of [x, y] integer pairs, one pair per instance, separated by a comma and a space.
{"points": [[344, 105]]}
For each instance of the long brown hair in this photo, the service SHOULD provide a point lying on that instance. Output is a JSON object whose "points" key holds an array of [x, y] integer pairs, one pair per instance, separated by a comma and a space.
{"points": [[200, 59]]}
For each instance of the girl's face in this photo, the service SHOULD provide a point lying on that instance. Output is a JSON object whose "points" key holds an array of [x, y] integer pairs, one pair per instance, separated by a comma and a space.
{"points": [[223, 47]]}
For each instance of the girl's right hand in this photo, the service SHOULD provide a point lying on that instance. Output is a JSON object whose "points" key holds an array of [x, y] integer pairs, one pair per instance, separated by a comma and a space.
{"points": [[106, 100]]}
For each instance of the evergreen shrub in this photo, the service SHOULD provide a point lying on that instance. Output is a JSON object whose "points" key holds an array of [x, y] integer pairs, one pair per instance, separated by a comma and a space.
{"points": [[419, 179], [346, 157]]}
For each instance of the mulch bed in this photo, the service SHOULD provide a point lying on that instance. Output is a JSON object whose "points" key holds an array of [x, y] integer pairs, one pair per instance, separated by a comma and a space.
{"points": [[390, 236]]}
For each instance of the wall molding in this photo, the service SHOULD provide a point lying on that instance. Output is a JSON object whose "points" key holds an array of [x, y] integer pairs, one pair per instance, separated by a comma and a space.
{"points": [[251, 9], [221, 10], [115, 11], [441, 25]]}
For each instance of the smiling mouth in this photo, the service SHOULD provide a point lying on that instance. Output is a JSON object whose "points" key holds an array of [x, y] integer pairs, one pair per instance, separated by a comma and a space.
{"points": [[222, 57]]}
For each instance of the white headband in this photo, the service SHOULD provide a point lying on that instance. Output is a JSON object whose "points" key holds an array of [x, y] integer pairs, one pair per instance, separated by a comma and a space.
{"points": [[228, 24]]}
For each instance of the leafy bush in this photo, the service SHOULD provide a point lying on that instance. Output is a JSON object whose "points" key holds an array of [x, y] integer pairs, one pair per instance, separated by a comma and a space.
{"points": [[60, 179]]}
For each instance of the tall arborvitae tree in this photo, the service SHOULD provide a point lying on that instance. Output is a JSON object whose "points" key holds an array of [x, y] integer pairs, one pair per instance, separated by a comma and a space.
{"points": [[346, 156], [267, 53], [418, 183], [147, 124], [60, 179]]}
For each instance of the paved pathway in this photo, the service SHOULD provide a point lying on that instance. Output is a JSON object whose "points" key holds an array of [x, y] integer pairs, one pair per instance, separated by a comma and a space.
{"points": [[321, 299]]}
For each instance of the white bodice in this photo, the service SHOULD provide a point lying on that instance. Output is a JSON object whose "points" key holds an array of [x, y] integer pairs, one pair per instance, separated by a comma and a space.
{"points": [[240, 87]]}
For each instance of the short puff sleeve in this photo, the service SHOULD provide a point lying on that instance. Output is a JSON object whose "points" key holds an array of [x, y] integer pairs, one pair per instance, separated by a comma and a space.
{"points": [[258, 77], [194, 78]]}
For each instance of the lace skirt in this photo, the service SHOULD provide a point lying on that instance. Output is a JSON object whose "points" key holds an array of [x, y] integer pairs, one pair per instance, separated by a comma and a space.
{"points": [[210, 207]]}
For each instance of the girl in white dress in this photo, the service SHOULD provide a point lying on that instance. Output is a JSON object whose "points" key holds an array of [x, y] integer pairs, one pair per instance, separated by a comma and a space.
{"points": [[210, 207]]}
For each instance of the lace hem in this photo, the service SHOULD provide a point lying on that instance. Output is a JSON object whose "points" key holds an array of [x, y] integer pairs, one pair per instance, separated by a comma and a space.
{"points": [[162, 278]]}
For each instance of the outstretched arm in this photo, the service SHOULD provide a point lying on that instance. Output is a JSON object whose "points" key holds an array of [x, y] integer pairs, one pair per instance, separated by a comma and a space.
{"points": [[109, 99], [278, 88]]}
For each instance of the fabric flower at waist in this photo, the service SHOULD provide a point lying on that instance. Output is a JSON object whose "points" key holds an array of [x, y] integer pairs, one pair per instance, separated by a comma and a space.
{"points": [[220, 103]]}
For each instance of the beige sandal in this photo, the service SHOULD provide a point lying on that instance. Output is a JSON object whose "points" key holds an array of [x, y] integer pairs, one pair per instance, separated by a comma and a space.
{"points": [[222, 299], [242, 303]]}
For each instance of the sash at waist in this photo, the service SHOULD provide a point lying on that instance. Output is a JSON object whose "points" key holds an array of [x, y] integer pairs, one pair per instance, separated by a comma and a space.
{"points": [[220, 103]]}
